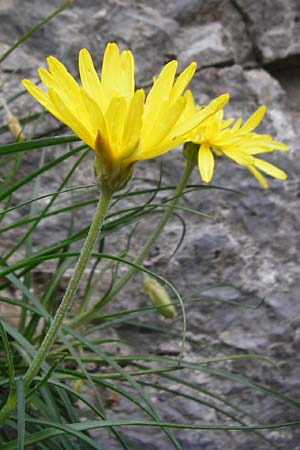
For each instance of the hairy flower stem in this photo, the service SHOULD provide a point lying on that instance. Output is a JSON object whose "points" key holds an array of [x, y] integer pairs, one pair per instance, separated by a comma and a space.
{"points": [[66, 302], [190, 163]]}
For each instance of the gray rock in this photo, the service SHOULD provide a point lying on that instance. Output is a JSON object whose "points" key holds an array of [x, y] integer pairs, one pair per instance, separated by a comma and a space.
{"points": [[185, 11], [274, 27], [208, 45]]}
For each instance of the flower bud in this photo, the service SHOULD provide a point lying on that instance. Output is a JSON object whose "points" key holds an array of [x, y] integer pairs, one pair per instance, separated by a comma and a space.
{"points": [[12, 122], [159, 297], [15, 128], [77, 385]]}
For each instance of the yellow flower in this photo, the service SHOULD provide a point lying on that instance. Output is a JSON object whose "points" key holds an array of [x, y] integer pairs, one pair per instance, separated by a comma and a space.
{"points": [[237, 141], [113, 118]]}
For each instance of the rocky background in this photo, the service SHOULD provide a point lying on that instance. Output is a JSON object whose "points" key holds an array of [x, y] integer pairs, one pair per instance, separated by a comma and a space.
{"points": [[251, 49]]}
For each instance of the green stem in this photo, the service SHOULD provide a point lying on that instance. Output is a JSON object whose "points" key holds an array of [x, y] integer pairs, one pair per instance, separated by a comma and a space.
{"points": [[66, 302], [190, 163]]}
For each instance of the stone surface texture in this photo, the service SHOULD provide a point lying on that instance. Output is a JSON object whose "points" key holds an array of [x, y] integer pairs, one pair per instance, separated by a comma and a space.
{"points": [[251, 49]]}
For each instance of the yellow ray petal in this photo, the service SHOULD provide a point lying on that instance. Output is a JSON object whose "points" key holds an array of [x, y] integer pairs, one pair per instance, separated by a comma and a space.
{"points": [[96, 115], [163, 84], [127, 74], [254, 120], [269, 169], [66, 86], [159, 91], [226, 123], [183, 80], [236, 125], [255, 150], [36, 92], [46, 77], [205, 162], [63, 78], [260, 178], [164, 124], [184, 131], [41, 97], [89, 77], [190, 107], [111, 71], [115, 121], [71, 120], [279, 145], [161, 148], [197, 118], [240, 157], [213, 125], [133, 125]]}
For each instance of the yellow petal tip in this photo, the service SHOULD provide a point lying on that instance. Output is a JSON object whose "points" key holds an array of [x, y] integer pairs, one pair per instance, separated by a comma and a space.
{"points": [[193, 65], [225, 98], [84, 51]]}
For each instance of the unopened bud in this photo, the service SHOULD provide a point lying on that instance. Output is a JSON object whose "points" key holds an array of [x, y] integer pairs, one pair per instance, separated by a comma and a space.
{"points": [[77, 385], [12, 122], [159, 297], [15, 128]]}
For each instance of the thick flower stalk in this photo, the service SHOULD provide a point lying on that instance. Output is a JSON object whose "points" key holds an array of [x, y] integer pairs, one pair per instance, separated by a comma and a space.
{"points": [[121, 124], [235, 140]]}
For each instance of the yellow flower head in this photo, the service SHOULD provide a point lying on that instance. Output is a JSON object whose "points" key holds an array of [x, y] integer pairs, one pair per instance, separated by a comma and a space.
{"points": [[113, 118], [237, 141]]}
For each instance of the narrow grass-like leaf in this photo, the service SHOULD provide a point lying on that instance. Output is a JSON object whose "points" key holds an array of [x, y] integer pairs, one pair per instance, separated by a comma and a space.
{"points": [[35, 28], [122, 260], [27, 349], [151, 409], [43, 213], [10, 178], [41, 197], [53, 407], [9, 357], [20, 303], [183, 232], [46, 377], [239, 379], [20, 412], [26, 293], [24, 146], [118, 259], [59, 429], [246, 381], [88, 186], [75, 428], [132, 358], [28, 240], [192, 398], [80, 364], [38, 172]]}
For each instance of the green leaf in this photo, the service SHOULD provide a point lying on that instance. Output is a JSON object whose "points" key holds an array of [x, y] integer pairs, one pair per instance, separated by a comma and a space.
{"points": [[20, 413], [41, 197], [151, 409], [9, 357], [24, 146], [38, 172]]}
